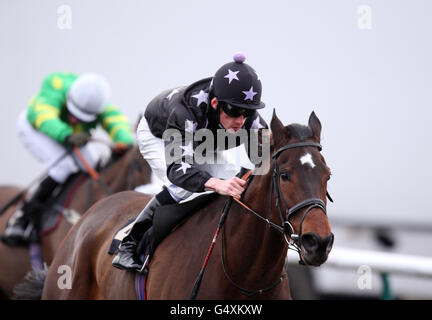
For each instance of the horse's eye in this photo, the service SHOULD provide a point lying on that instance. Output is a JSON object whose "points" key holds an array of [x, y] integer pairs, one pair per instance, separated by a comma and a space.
{"points": [[286, 175], [329, 176]]}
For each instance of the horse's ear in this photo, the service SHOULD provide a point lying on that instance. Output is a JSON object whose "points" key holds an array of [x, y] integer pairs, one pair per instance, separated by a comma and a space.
{"points": [[315, 125], [277, 129]]}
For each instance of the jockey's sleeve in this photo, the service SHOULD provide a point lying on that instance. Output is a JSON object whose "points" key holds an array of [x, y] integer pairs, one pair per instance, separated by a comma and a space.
{"points": [[116, 125], [45, 107], [179, 150]]}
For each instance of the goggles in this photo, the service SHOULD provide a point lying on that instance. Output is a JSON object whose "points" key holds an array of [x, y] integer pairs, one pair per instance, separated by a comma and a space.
{"points": [[235, 112]]}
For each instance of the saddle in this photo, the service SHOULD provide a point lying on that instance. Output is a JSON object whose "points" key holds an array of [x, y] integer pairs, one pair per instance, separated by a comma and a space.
{"points": [[166, 219]]}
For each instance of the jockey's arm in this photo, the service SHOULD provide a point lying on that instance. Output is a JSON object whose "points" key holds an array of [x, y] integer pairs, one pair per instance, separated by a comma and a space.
{"points": [[45, 107], [235, 186], [117, 126], [182, 171], [231, 187]]}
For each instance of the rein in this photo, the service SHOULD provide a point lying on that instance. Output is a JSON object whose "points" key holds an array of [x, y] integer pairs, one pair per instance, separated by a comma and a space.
{"points": [[92, 172]]}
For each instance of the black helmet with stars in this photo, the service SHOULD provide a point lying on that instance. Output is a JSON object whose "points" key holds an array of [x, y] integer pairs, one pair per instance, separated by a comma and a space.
{"points": [[238, 84]]}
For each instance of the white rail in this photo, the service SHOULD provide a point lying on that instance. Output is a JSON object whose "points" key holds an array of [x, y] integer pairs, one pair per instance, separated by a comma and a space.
{"points": [[378, 261]]}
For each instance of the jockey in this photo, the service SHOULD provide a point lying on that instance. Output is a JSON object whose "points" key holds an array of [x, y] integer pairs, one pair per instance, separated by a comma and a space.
{"points": [[227, 101], [59, 117]]}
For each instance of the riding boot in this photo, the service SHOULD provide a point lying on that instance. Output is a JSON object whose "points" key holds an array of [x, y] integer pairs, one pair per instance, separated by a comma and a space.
{"points": [[19, 230], [127, 257]]}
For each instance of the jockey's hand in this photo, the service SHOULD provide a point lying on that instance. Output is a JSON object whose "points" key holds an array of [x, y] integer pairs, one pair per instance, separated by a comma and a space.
{"points": [[77, 139], [231, 187], [120, 148]]}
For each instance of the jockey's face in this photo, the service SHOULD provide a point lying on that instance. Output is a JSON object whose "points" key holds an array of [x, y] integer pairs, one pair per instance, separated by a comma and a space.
{"points": [[72, 119], [229, 123]]}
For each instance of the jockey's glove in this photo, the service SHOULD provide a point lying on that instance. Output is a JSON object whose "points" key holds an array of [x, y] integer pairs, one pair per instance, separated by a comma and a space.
{"points": [[77, 139], [120, 148]]}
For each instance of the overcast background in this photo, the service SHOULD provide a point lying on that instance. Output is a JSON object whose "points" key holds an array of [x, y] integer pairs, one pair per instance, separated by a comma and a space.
{"points": [[369, 87], [365, 71]]}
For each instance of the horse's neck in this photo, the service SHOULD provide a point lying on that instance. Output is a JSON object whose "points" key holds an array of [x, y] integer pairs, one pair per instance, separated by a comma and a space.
{"points": [[253, 243], [116, 176]]}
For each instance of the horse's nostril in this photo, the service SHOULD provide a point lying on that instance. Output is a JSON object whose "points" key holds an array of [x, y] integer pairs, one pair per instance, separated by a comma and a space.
{"points": [[310, 241]]}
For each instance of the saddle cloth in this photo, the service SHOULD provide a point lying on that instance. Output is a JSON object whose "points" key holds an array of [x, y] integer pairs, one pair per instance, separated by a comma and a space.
{"points": [[165, 220]]}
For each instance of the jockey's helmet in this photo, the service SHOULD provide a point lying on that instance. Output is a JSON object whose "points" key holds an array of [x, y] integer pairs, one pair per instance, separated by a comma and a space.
{"points": [[88, 96], [238, 84]]}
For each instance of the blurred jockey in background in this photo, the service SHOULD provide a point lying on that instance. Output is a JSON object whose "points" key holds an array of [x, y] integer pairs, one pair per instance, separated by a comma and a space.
{"points": [[59, 117]]}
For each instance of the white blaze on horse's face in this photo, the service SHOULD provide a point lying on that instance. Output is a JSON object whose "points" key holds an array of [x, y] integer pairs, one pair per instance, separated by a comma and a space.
{"points": [[307, 159]]}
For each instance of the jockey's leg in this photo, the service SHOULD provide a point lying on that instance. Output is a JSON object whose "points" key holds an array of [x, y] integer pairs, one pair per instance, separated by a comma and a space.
{"points": [[153, 151], [48, 151], [17, 232], [127, 257]]}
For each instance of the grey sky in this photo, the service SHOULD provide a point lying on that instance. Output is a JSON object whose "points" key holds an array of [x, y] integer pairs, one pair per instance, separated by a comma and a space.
{"points": [[370, 88]]}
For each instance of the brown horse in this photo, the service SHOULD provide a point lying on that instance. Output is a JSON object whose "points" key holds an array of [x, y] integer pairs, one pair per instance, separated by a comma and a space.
{"points": [[249, 256], [122, 174]]}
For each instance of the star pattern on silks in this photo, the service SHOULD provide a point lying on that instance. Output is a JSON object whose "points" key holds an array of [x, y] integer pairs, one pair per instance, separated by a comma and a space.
{"points": [[190, 126], [231, 75], [184, 166], [249, 94], [257, 124], [172, 93], [188, 149], [202, 96]]}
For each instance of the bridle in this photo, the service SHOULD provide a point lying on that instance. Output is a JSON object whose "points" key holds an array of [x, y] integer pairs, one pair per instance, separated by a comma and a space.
{"points": [[286, 227], [309, 204]]}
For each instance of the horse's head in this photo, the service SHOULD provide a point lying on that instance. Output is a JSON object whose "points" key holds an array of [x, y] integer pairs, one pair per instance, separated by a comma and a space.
{"points": [[300, 176]]}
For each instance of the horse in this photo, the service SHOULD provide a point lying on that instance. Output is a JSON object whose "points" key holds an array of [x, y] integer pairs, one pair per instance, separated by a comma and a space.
{"points": [[285, 205], [121, 173]]}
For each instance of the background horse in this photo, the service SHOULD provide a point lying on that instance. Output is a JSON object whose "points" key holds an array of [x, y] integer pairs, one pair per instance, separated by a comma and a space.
{"points": [[248, 258], [124, 173]]}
